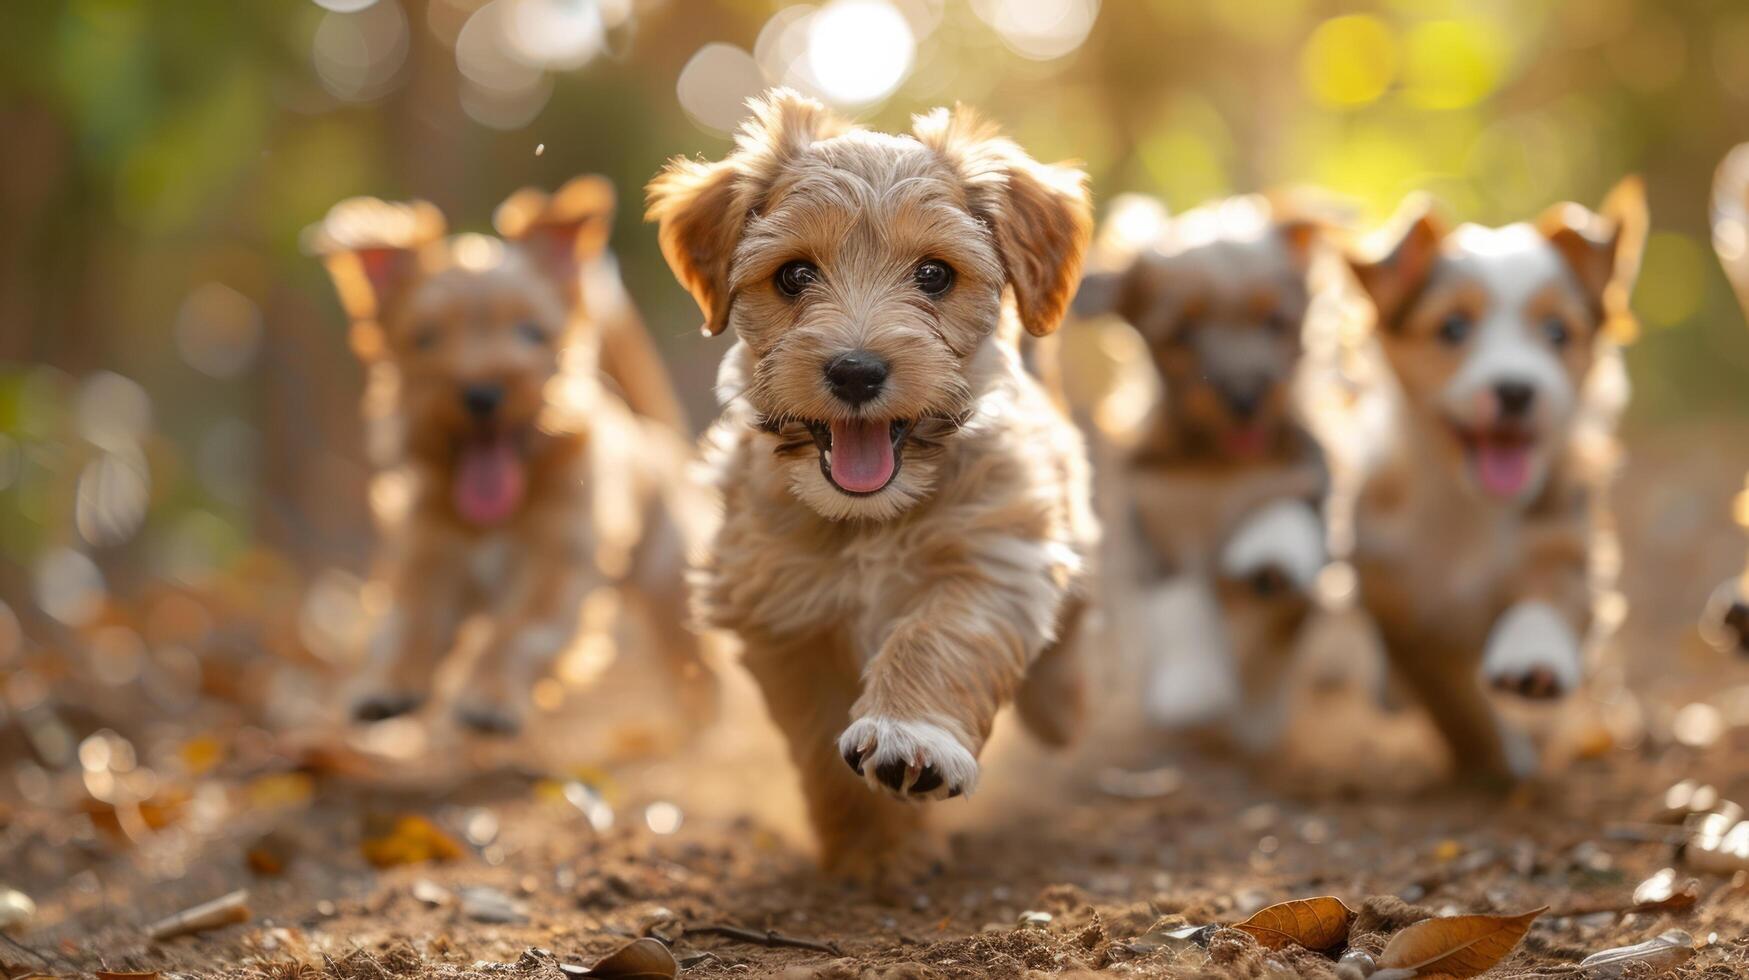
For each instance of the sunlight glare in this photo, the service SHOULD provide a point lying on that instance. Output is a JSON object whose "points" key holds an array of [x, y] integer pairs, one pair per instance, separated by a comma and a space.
{"points": [[859, 50]]}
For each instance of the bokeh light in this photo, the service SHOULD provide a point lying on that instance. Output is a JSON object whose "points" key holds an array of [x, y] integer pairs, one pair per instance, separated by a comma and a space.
{"points": [[1039, 29], [69, 586], [218, 330], [1349, 60], [715, 85], [359, 49], [1671, 279], [1450, 64], [858, 50]]}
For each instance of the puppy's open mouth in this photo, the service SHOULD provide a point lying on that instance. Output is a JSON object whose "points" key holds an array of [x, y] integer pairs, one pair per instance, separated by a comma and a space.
{"points": [[489, 478], [861, 456], [1501, 457]]}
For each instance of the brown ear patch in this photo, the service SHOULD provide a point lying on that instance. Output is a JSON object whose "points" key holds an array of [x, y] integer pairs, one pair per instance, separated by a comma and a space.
{"points": [[560, 231], [1400, 272], [371, 249], [1603, 249], [701, 208], [1041, 215]]}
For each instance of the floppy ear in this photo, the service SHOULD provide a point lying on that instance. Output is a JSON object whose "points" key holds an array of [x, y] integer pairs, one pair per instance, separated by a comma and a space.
{"points": [[701, 208], [371, 249], [1041, 215], [1603, 249], [1731, 219], [560, 231], [1394, 278]]}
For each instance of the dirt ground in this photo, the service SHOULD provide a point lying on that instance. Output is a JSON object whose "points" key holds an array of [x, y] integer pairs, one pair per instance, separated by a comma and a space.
{"points": [[594, 828]]}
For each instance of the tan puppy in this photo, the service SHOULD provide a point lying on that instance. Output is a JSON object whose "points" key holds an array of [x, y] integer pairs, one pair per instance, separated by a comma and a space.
{"points": [[511, 480], [1474, 533], [1221, 495], [906, 520], [1726, 623]]}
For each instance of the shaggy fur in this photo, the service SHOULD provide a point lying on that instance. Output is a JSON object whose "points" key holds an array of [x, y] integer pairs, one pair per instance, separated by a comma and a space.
{"points": [[1224, 486], [887, 627], [512, 479], [1726, 623], [1479, 531]]}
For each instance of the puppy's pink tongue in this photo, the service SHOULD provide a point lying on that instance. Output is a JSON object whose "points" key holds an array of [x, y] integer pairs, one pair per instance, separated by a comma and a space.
{"points": [[862, 455], [489, 482], [1502, 468]]}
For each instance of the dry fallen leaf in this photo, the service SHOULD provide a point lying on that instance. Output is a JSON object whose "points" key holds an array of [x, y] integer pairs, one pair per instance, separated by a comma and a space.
{"points": [[1457, 947], [644, 959], [1718, 844], [1667, 951], [1318, 924], [1664, 892], [124, 975], [409, 839]]}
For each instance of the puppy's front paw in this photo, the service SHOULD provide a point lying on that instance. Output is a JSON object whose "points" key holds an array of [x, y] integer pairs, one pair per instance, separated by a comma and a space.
{"points": [[386, 704], [486, 716], [1532, 652], [913, 760]]}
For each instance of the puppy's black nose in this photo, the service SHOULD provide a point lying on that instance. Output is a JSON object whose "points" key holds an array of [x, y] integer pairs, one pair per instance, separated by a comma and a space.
{"points": [[1516, 397], [856, 377], [1244, 398], [482, 399]]}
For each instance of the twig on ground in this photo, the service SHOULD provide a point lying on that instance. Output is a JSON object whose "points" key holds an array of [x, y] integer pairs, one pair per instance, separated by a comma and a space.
{"points": [[770, 937]]}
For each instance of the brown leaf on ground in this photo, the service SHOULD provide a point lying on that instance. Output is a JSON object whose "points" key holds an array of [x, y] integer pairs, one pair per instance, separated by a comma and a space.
{"points": [[643, 959], [1319, 924], [408, 839], [1457, 947]]}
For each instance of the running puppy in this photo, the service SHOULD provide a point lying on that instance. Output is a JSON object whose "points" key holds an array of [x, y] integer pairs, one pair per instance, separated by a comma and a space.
{"points": [[512, 479], [1475, 532], [906, 520], [1726, 622], [1222, 493]]}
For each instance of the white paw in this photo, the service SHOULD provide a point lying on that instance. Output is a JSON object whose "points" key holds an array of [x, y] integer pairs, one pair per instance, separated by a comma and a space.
{"points": [[913, 760], [1532, 652], [1286, 536]]}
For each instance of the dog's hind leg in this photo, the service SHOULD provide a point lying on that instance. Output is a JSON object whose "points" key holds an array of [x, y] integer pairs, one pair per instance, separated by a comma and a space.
{"points": [[809, 686], [1052, 701]]}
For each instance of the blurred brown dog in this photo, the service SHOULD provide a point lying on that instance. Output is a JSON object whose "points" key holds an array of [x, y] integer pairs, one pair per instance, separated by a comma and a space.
{"points": [[907, 520], [1221, 496], [1475, 533], [512, 479], [1726, 621]]}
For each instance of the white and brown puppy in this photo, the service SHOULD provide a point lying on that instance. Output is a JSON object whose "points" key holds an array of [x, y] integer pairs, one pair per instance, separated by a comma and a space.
{"points": [[1726, 622], [1474, 532], [1221, 494], [907, 523], [512, 479]]}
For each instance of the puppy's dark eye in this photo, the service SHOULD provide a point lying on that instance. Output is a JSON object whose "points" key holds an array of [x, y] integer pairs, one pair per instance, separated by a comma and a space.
{"points": [[425, 338], [1276, 321], [933, 277], [1556, 330], [531, 332], [796, 276], [1454, 329]]}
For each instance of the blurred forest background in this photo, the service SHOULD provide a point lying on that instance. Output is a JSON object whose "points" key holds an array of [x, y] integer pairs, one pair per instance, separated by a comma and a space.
{"points": [[177, 402]]}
